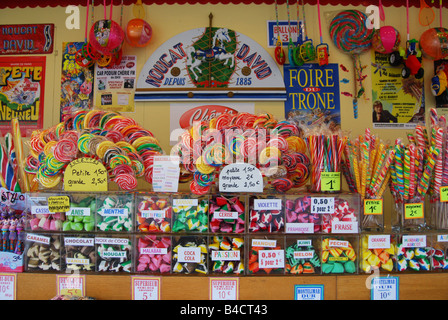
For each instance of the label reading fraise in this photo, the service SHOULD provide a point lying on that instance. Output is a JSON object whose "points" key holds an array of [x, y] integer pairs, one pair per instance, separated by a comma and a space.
{"points": [[189, 254], [79, 212], [37, 238], [153, 250], [414, 241], [303, 254], [232, 255], [185, 202], [344, 227], [378, 242], [114, 212], [225, 215], [267, 204], [264, 243], [153, 214], [299, 227]]}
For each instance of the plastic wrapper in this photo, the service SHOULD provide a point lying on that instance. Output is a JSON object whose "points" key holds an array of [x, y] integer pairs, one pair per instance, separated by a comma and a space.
{"points": [[114, 212], [266, 214], [154, 212], [339, 255], [43, 252], [226, 254], [190, 213], [302, 255], [153, 254], [266, 255], [190, 255], [114, 254], [81, 215], [414, 253]]}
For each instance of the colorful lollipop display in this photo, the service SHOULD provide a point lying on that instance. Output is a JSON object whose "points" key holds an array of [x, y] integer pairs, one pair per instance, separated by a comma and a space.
{"points": [[275, 147], [120, 143]]}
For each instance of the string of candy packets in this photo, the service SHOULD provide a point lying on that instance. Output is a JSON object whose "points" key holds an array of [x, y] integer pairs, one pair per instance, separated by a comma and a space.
{"points": [[119, 143]]}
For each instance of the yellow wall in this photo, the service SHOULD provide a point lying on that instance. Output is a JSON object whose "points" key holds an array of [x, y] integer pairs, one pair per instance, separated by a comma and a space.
{"points": [[251, 20]]}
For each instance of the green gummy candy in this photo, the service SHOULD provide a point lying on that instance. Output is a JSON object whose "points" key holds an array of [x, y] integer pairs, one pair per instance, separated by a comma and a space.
{"points": [[77, 219], [77, 226], [338, 268], [350, 267], [327, 268], [87, 219], [178, 226], [66, 226], [89, 226]]}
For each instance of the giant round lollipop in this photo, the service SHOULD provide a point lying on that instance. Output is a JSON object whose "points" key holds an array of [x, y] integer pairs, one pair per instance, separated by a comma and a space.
{"points": [[349, 32]]}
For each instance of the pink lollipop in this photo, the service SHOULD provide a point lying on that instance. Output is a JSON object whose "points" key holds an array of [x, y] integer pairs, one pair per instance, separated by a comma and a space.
{"points": [[126, 181], [65, 150]]}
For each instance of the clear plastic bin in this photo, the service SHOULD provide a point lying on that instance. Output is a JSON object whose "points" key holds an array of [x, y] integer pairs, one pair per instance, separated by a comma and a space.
{"points": [[153, 254], [226, 254]]}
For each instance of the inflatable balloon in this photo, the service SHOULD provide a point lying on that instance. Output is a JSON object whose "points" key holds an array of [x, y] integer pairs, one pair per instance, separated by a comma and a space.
{"points": [[434, 43], [106, 37], [439, 83], [386, 40], [138, 33]]}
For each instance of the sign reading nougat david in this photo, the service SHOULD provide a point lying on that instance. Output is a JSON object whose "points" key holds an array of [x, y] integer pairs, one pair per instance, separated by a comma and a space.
{"points": [[210, 63]]}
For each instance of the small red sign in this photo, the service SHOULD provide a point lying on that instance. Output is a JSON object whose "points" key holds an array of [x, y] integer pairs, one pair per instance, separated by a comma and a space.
{"points": [[203, 113], [311, 89], [26, 38]]}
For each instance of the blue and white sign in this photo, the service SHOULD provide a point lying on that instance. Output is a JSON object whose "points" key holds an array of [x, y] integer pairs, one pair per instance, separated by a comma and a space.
{"points": [[309, 292], [384, 288]]}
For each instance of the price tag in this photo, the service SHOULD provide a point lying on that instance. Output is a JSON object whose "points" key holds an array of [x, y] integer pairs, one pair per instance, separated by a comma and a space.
{"points": [[240, 177], [330, 181], [413, 211], [85, 174], [58, 204], [444, 194], [271, 259], [308, 292], [145, 288], [71, 285], [165, 176], [373, 207], [224, 288], [384, 288], [8, 283], [322, 205]]}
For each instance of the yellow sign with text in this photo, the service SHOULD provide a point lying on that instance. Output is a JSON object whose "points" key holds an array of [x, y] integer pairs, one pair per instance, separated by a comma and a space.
{"points": [[85, 174], [330, 181], [373, 207]]}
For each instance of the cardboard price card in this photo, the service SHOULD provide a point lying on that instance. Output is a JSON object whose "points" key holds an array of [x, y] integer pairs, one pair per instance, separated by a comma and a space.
{"points": [[71, 285], [145, 288], [330, 181]]}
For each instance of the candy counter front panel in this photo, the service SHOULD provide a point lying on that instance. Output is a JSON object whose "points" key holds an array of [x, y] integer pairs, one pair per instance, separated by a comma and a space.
{"points": [[39, 286]]}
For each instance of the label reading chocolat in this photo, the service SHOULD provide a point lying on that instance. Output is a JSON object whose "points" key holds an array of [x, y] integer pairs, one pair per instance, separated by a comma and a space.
{"points": [[88, 242]]}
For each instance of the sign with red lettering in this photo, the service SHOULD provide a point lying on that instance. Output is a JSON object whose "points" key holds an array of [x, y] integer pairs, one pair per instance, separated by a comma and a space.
{"points": [[26, 38], [22, 87], [210, 63]]}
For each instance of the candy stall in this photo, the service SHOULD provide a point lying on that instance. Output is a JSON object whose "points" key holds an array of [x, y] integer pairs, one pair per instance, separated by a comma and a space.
{"points": [[183, 148]]}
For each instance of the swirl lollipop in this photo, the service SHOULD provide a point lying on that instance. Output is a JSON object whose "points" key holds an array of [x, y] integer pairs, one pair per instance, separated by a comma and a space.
{"points": [[350, 34]]}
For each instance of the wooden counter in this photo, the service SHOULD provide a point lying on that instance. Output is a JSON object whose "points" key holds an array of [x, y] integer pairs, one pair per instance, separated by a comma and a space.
{"points": [[421, 286]]}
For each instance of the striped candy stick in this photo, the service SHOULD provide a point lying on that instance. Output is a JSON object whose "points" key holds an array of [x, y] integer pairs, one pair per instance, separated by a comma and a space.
{"points": [[6, 169], [18, 144], [12, 158]]}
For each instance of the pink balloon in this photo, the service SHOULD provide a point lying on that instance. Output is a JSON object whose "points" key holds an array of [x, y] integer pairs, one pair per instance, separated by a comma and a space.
{"points": [[386, 40]]}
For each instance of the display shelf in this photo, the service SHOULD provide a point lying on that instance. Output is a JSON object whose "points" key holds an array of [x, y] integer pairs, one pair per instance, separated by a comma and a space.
{"points": [[428, 286]]}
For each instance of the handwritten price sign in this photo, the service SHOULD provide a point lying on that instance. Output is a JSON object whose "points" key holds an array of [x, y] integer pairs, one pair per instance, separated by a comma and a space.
{"points": [[330, 181], [414, 211], [71, 285], [224, 288], [85, 174], [240, 177], [373, 207], [145, 288]]}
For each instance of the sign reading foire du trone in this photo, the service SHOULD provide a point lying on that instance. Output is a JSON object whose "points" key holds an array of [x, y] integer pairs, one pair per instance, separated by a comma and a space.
{"points": [[210, 63]]}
